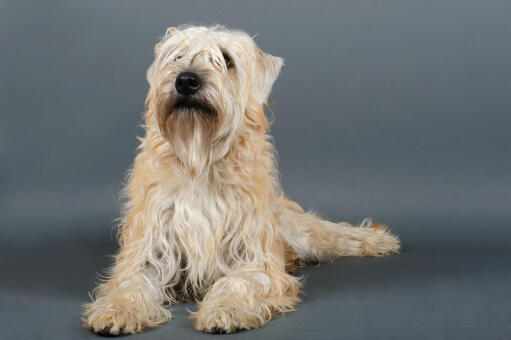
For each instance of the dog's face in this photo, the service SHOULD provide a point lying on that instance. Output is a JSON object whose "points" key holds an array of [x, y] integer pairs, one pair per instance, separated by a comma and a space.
{"points": [[203, 80]]}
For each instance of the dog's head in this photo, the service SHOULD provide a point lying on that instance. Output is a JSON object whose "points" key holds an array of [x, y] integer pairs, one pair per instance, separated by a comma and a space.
{"points": [[203, 82]]}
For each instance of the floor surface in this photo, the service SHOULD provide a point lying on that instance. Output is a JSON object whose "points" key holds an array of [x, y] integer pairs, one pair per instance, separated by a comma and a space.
{"points": [[452, 281]]}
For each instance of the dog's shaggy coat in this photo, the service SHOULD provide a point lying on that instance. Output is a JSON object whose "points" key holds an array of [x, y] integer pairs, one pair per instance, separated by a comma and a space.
{"points": [[206, 219]]}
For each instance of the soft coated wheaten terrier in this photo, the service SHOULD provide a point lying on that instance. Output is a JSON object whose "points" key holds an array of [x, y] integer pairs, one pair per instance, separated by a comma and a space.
{"points": [[206, 219]]}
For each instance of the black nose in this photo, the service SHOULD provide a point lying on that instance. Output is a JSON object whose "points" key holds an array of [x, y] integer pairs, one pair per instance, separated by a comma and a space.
{"points": [[188, 83]]}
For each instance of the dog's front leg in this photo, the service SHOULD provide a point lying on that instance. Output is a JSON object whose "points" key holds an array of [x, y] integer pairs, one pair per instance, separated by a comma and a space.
{"points": [[244, 299], [125, 305], [131, 298]]}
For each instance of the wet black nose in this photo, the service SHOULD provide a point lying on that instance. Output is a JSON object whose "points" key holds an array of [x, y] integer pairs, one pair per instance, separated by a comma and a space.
{"points": [[188, 83]]}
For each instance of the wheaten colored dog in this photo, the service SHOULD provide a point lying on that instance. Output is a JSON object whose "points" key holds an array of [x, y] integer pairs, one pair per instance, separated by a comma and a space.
{"points": [[206, 219]]}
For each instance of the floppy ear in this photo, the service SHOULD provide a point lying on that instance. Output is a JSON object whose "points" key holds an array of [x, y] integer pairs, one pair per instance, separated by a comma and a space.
{"points": [[150, 71], [266, 71], [150, 74], [170, 31]]}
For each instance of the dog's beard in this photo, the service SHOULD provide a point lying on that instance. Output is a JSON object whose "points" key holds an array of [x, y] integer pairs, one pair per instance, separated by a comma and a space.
{"points": [[190, 126], [200, 129]]}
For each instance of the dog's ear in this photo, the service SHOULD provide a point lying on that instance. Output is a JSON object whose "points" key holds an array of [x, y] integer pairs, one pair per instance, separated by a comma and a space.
{"points": [[266, 71], [150, 74], [170, 31], [150, 71]]}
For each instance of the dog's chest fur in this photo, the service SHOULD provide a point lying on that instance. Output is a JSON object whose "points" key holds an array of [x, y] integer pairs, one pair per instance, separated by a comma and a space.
{"points": [[198, 232]]}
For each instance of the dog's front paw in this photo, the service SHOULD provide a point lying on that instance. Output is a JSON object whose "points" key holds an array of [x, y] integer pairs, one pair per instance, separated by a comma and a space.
{"points": [[216, 320], [226, 317], [107, 318], [113, 316]]}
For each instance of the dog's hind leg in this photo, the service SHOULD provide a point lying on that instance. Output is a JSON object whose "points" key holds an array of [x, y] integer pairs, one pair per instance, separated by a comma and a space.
{"points": [[314, 239]]}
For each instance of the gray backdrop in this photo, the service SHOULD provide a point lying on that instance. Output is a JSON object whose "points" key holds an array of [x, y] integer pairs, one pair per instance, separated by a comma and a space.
{"points": [[400, 110]]}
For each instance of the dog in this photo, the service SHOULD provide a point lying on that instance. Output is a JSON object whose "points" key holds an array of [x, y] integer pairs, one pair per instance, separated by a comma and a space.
{"points": [[205, 218]]}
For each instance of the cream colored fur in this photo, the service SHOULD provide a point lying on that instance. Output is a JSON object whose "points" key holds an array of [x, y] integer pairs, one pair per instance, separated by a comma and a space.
{"points": [[205, 218]]}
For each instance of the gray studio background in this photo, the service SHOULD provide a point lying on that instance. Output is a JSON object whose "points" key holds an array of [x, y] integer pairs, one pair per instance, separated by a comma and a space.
{"points": [[400, 110]]}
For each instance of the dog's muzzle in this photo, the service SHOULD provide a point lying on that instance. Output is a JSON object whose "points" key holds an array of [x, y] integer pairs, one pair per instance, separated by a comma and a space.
{"points": [[193, 104], [188, 83]]}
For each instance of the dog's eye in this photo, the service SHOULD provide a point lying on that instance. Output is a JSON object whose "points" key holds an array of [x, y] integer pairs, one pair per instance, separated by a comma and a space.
{"points": [[176, 58], [228, 60]]}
